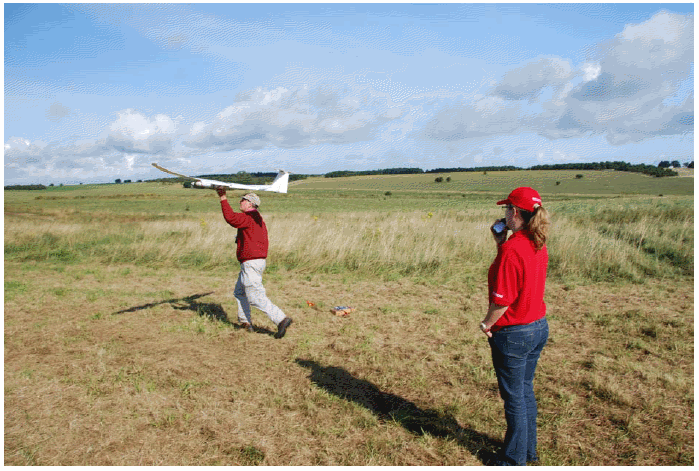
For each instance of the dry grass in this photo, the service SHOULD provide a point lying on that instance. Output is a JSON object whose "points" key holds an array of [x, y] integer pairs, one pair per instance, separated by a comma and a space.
{"points": [[121, 346], [129, 365], [657, 241]]}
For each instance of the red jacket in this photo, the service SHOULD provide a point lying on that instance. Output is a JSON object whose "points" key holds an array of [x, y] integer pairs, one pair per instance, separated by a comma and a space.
{"points": [[517, 278], [252, 239]]}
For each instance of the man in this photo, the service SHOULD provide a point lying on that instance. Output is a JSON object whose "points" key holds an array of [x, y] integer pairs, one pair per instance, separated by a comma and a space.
{"points": [[252, 244]]}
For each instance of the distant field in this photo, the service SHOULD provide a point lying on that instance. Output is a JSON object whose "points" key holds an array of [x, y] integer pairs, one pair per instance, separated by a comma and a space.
{"points": [[685, 172], [552, 183], [121, 344], [317, 194]]}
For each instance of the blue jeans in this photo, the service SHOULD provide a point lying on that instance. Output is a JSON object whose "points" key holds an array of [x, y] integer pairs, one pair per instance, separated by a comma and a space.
{"points": [[515, 351]]}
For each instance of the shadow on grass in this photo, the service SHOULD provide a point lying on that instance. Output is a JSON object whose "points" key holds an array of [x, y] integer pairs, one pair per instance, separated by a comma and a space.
{"points": [[188, 303], [388, 406]]}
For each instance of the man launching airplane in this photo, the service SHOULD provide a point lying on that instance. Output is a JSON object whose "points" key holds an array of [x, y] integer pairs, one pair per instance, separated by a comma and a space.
{"points": [[252, 244], [251, 251]]}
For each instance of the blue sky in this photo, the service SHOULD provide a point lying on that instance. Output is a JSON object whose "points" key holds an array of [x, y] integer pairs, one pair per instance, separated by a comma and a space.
{"points": [[95, 92]]}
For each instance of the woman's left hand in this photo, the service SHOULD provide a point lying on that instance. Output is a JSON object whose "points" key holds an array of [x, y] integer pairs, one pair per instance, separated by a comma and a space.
{"points": [[495, 312]]}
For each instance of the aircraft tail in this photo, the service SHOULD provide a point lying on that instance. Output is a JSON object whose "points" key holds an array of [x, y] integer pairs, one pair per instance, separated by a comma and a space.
{"points": [[280, 183]]}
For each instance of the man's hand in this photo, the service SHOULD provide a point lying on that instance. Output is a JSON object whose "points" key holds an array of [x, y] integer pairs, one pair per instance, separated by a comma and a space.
{"points": [[221, 191]]}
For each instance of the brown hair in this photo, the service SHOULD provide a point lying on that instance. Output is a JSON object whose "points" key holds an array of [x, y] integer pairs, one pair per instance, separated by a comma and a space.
{"points": [[537, 222]]}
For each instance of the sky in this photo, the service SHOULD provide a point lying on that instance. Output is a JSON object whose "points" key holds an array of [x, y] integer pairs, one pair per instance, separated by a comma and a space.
{"points": [[96, 92]]}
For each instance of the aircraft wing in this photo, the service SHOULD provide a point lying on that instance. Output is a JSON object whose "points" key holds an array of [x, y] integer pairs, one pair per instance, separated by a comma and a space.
{"points": [[173, 173], [279, 185]]}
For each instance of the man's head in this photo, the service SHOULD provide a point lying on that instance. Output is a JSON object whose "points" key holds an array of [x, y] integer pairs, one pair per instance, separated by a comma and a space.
{"points": [[250, 200]]}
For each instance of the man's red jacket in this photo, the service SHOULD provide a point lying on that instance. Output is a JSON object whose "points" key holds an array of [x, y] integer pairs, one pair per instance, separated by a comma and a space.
{"points": [[252, 239]]}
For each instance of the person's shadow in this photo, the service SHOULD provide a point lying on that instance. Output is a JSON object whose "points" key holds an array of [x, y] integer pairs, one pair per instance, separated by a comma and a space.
{"points": [[387, 406], [190, 303]]}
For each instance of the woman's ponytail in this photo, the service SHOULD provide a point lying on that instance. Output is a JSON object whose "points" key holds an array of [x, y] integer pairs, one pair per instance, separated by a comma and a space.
{"points": [[538, 225]]}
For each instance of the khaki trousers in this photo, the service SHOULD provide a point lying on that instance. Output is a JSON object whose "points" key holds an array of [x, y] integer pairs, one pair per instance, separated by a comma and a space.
{"points": [[250, 292]]}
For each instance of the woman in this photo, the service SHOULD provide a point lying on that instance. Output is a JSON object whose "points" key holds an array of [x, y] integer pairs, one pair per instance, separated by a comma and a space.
{"points": [[515, 324]]}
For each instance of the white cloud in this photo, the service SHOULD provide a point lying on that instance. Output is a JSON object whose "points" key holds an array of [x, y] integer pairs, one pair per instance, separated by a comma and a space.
{"points": [[636, 89], [134, 132], [470, 118], [296, 117], [643, 66], [663, 40], [122, 143], [128, 142], [20, 152], [528, 80], [591, 71]]}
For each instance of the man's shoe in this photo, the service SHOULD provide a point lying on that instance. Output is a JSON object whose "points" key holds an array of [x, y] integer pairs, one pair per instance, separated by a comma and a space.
{"points": [[281, 328], [247, 326]]}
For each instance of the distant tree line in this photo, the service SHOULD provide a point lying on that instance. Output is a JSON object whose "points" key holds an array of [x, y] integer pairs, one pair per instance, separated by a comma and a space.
{"points": [[25, 187], [658, 171], [253, 178], [675, 164], [386, 171], [662, 170], [473, 169]]}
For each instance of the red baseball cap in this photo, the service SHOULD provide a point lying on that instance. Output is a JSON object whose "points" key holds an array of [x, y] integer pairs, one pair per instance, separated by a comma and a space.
{"points": [[524, 198]]}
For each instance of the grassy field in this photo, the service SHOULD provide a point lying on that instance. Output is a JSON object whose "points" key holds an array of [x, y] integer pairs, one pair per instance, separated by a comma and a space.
{"points": [[122, 347]]}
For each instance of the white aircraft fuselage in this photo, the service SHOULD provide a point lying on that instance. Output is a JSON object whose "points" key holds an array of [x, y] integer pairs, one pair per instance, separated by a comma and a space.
{"points": [[279, 185]]}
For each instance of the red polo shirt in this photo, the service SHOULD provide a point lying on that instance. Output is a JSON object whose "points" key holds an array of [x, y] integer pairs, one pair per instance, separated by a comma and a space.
{"points": [[517, 279]]}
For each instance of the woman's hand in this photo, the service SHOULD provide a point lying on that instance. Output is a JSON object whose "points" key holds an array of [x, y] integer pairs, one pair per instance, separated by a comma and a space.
{"points": [[495, 312], [499, 238]]}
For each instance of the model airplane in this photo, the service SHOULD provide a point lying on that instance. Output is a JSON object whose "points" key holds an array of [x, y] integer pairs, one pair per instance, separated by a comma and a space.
{"points": [[279, 185]]}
